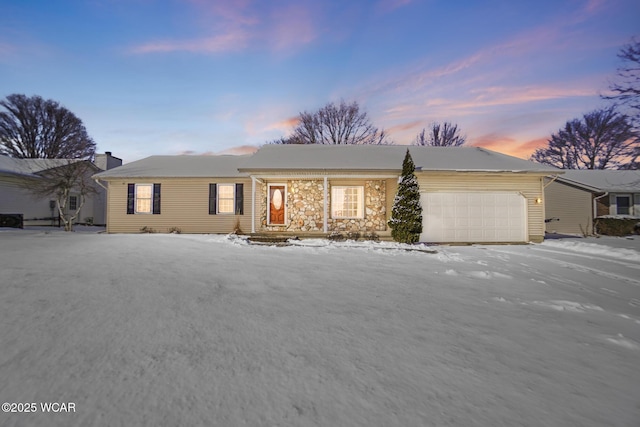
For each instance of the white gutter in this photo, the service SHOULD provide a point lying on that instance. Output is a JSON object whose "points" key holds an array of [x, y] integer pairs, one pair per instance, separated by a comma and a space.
{"points": [[552, 179], [97, 180], [595, 204]]}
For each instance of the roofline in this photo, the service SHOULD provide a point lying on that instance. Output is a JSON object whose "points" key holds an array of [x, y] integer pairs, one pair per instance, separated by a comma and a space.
{"points": [[593, 189], [317, 170], [38, 174], [113, 178], [581, 185], [253, 171], [518, 171], [19, 174]]}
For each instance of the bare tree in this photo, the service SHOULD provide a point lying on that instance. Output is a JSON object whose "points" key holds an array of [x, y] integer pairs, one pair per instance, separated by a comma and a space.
{"points": [[34, 128], [336, 124], [31, 127], [441, 135], [69, 178], [627, 86], [602, 139]]}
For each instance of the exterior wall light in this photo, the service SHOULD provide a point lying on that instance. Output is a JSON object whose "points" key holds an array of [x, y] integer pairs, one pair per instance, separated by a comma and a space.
{"points": [[538, 200]]}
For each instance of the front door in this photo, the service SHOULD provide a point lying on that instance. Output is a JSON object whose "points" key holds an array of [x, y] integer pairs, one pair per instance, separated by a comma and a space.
{"points": [[277, 200]]}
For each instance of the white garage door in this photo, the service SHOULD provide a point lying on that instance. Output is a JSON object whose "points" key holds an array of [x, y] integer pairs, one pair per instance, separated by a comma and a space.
{"points": [[474, 217]]}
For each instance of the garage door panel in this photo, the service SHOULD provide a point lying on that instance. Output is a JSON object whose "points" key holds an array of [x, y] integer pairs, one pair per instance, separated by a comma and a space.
{"points": [[474, 217]]}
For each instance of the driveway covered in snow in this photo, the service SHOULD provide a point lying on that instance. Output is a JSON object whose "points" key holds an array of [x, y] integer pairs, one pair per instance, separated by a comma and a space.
{"points": [[207, 330]]}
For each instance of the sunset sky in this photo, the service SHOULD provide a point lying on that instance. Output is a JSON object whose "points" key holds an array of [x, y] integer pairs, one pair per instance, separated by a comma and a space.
{"points": [[202, 76]]}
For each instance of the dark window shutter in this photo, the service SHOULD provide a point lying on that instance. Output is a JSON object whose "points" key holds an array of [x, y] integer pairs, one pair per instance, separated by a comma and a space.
{"points": [[131, 198], [239, 199], [156, 199], [213, 194]]}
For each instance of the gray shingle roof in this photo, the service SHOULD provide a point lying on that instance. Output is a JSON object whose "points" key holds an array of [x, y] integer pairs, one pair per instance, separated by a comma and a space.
{"points": [[29, 167], [325, 158], [604, 180], [385, 157], [223, 166]]}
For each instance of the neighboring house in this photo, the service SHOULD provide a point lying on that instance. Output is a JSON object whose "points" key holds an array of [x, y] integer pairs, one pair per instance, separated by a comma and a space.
{"points": [[15, 199], [576, 197], [468, 194]]}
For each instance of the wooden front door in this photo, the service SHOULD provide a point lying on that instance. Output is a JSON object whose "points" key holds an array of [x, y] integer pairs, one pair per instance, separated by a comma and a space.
{"points": [[277, 200]]}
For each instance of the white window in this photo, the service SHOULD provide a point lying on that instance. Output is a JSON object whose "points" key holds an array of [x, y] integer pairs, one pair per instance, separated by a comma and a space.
{"points": [[73, 203], [144, 198], [347, 202], [226, 203]]}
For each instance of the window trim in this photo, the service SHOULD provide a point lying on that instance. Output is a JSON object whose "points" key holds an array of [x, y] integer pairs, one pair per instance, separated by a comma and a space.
{"points": [[233, 198], [629, 197], [135, 199], [360, 208], [238, 198], [75, 199]]}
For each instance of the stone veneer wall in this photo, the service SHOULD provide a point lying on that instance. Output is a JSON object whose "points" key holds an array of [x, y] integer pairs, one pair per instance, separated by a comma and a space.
{"points": [[375, 211], [305, 208]]}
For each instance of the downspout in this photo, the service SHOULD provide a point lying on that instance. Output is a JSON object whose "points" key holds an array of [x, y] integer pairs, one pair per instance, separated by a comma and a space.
{"points": [[595, 207], [324, 216]]}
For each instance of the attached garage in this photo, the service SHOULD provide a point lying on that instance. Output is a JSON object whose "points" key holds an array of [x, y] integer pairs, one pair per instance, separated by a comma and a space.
{"points": [[480, 216]]}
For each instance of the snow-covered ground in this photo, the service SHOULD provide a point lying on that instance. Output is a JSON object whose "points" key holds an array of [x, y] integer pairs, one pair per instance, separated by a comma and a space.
{"points": [[208, 330]]}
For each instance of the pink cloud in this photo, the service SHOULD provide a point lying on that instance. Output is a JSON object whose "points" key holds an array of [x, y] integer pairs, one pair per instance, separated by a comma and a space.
{"points": [[239, 150], [385, 6], [221, 43], [291, 27], [285, 125], [236, 151], [594, 6], [508, 145], [498, 95], [403, 127], [6, 48], [235, 12], [239, 24]]}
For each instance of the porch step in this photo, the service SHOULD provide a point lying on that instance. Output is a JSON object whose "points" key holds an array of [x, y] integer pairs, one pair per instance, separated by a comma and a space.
{"points": [[261, 238]]}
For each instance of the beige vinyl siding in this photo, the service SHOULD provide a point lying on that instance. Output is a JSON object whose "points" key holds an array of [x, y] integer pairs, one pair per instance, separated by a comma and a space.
{"points": [[184, 204], [572, 206], [529, 185]]}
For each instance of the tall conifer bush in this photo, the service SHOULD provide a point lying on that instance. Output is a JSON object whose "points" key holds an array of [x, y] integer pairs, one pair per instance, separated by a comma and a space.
{"points": [[406, 214]]}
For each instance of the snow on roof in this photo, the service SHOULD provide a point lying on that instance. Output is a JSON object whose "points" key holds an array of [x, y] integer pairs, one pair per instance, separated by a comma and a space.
{"points": [[325, 157], [604, 180], [221, 166], [385, 157], [27, 167]]}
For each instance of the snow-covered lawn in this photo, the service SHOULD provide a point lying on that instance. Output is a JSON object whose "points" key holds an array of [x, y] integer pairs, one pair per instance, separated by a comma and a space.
{"points": [[207, 330]]}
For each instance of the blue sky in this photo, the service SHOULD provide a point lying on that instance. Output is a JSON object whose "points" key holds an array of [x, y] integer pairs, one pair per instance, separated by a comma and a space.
{"points": [[200, 76]]}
